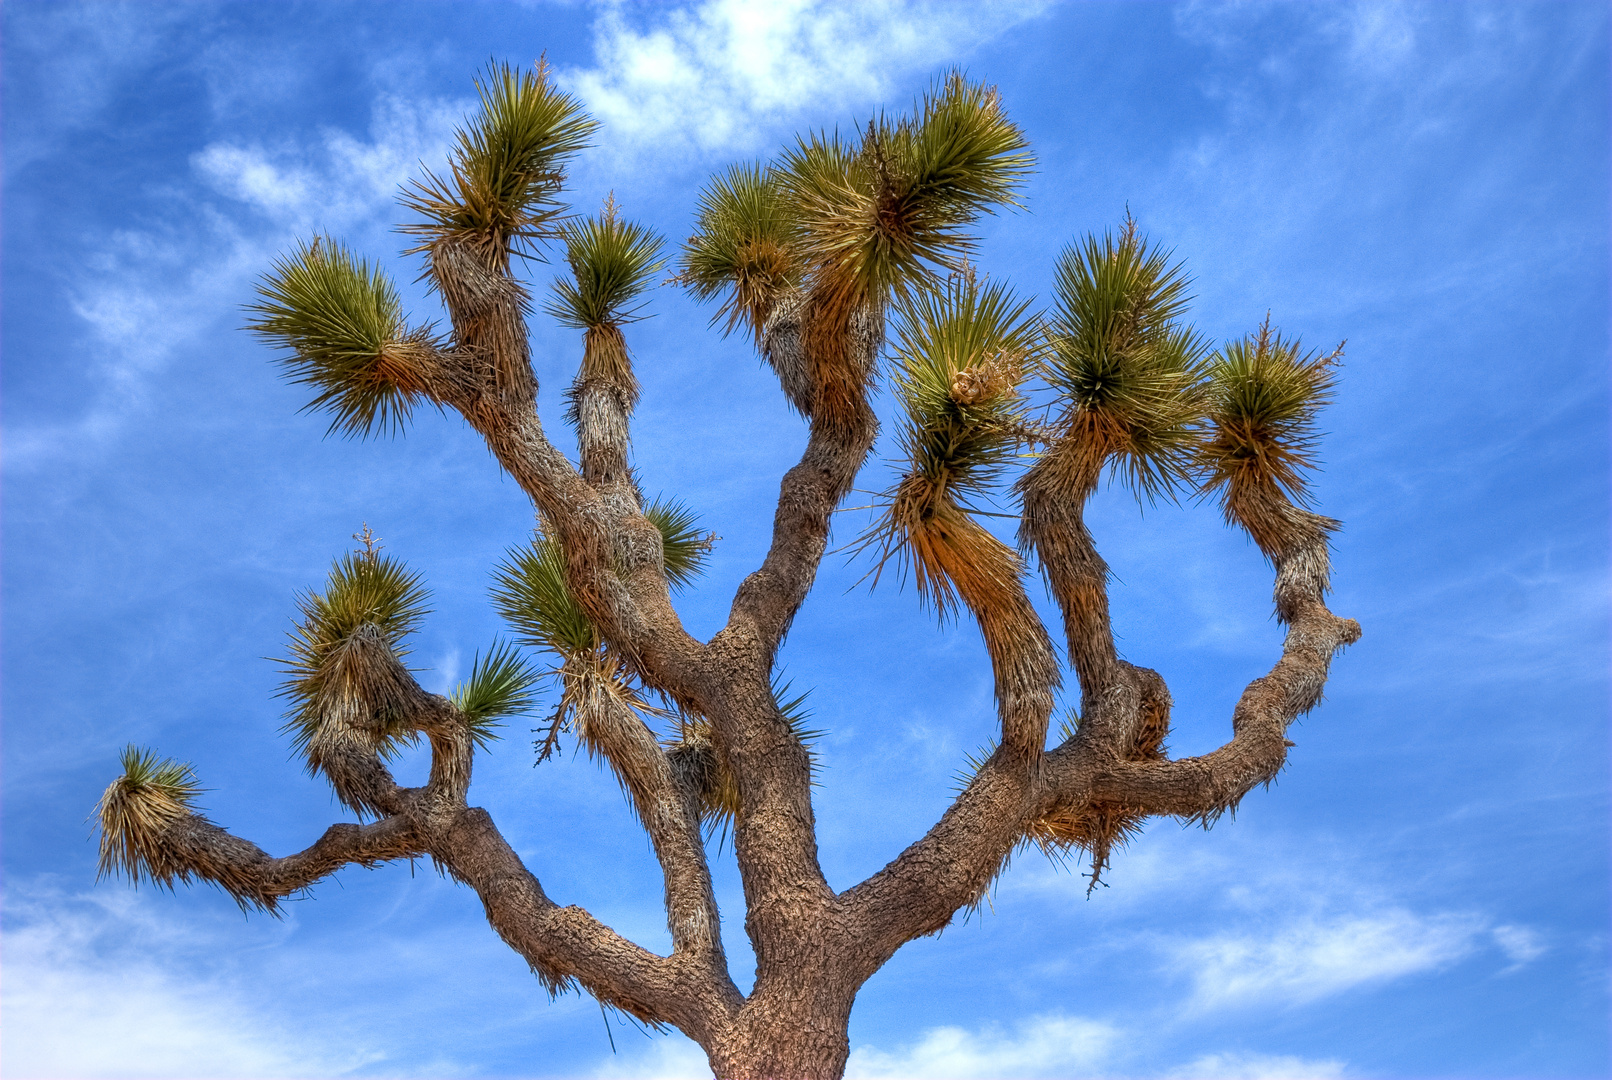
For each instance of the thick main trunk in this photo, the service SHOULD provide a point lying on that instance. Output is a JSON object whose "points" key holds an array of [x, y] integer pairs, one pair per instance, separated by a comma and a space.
{"points": [[792, 1035]]}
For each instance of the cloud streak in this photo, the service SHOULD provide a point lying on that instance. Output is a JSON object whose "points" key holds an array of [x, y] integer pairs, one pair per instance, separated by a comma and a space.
{"points": [[720, 76], [92, 988], [151, 294], [1314, 958], [1049, 1045]]}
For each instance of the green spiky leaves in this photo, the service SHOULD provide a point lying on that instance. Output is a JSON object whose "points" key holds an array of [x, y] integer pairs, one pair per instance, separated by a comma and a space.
{"points": [[1262, 396], [344, 674], [885, 214], [1126, 367], [864, 217], [343, 324], [530, 592], [685, 547], [151, 794], [612, 262], [507, 168], [744, 244], [502, 683], [962, 353]]}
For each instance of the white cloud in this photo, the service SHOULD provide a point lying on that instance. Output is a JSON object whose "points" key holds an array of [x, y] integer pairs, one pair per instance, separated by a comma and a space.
{"points": [[670, 1057], [149, 294], [718, 76], [1313, 957], [1521, 944], [1257, 1067], [91, 989], [340, 180], [1050, 1045]]}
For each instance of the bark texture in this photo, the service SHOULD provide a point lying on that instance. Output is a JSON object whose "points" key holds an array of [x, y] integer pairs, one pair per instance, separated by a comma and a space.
{"points": [[814, 947]]}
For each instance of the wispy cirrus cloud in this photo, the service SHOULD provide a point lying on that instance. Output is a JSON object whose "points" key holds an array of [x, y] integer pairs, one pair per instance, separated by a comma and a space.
{"points": [[93, 988], [1315, 957], [149, 294], [337, 180], [1241, 1066], [1050, 1045], [719, 76]]}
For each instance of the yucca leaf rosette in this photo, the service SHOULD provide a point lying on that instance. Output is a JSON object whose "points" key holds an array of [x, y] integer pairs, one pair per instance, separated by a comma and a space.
{"points": [[960, 357], [597, 690], [150, 795], [612, 263], [502, 684], [345, 679], [506, 169], [342, 322], [1262, 396], [744, 247], [1127, 370], [685, 547], [887, 214]]}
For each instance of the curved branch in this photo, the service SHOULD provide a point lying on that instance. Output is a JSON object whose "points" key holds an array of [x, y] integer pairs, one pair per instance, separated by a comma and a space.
{"points": [[668, 813], [775, 834], [567, 945], [1204, 787], [613, 553], [949, 868], [1054, 491], [192, 846], [839, 444]]}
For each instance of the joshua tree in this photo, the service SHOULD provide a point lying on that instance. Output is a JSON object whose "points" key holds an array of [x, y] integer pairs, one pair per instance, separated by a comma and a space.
{"points": [[814, 255]]}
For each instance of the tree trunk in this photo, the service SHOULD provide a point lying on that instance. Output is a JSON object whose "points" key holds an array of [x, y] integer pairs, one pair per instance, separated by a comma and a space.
{"points": [[791, 1034]]}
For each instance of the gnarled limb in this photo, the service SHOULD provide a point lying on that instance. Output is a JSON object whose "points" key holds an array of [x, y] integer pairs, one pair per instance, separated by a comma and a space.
{"points": [[949, 868], [774, 834], [836, 450], [565, 945], [1054, 491], [192, 846], [1205, 787]]}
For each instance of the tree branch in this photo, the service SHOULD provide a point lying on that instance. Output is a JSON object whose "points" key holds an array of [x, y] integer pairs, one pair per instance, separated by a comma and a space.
{"points": [[613, 554], [192, 846], [566, 945], [836, 450], [775, 834], [949, 868], [1205, 787]]}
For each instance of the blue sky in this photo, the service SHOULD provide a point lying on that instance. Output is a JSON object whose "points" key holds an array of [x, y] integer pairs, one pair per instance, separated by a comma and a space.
{"points": [[1424, 893]]}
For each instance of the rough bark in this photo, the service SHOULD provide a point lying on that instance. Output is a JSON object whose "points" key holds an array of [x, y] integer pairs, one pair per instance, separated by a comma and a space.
{"points": [[814, 948]]}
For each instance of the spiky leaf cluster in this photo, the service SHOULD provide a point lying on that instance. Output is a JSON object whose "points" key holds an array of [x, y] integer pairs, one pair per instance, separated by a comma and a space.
{"points": [[1128, 371], [597, 692], [884, 214], [343, 324], [612, 262], [346, 651], [151, 794], [961, 354], [530, 592], [1262, 396], [502, 683], [685, 547], [745, 244], [507, 168]]}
